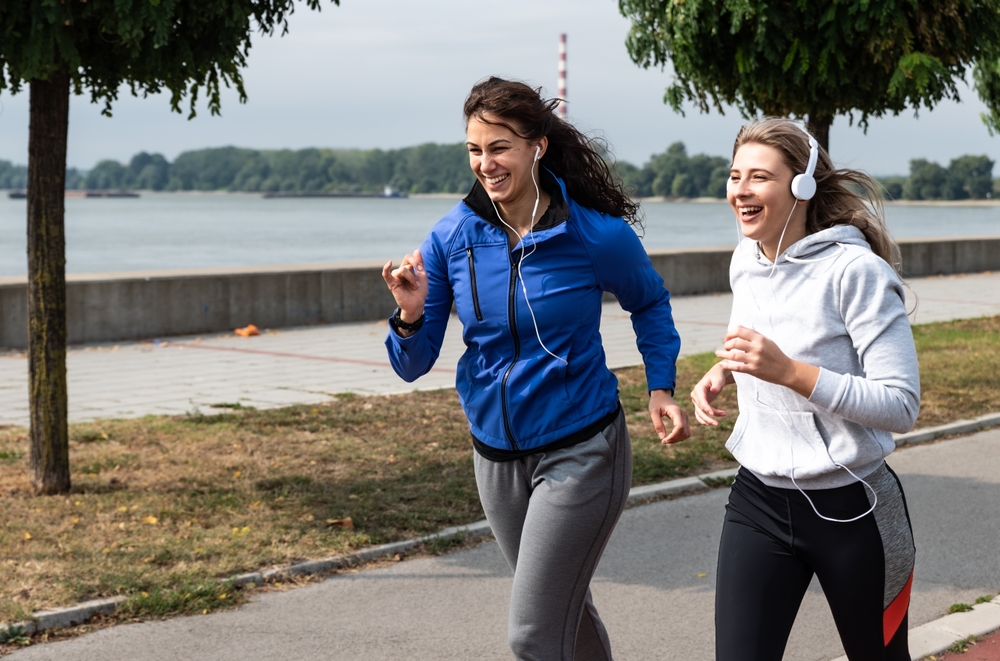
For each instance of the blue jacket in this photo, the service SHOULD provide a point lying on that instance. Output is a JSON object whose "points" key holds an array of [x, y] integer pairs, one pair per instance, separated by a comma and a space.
{"points": [[517, 397]]}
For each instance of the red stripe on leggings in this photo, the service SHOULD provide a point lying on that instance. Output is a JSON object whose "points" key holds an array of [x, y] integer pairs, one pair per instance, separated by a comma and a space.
{"points": [[894, 614]]}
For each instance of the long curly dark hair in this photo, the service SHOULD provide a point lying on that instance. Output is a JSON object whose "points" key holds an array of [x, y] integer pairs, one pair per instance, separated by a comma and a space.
{"points": [[571, 155]]}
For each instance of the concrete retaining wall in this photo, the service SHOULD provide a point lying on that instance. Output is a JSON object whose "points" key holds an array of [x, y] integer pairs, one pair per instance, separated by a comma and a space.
{"points": [[131, 306]]}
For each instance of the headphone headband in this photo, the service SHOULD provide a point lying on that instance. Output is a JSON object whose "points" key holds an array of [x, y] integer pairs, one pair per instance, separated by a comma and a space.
{"points": [[804, 185]]}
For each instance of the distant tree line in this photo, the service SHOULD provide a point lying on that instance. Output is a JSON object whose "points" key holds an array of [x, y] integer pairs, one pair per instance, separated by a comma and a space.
{"points": [[675, 174], [433, 168], [15, 177], [428, 168], [966, 177]]}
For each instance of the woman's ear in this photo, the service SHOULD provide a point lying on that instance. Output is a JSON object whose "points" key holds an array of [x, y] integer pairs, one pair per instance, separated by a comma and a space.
{"points": [[541, 147]]}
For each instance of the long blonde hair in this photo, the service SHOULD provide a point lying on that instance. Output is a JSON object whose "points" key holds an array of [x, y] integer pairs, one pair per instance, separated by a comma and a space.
{"points": [[843, 197]]}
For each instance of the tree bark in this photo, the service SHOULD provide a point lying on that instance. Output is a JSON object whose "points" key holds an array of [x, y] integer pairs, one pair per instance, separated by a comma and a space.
{"points": [[49, 125], [819, 126]]}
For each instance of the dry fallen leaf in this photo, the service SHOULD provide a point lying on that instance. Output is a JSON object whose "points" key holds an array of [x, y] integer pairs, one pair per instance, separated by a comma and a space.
{"points": [[151, 520], [346, 523]]}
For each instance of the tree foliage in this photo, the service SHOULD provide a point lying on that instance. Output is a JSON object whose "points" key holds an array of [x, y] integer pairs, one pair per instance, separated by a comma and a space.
{"points": [[675, 174], [181, 46], [966, 177], [13, 176], [818, 59]]}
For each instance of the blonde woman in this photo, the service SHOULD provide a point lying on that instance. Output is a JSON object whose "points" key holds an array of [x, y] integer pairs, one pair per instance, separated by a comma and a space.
{"points": [[820, 349]]}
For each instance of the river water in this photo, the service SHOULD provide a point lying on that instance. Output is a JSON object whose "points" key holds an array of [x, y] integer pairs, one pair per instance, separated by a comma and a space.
{"points": [[200, 230]]}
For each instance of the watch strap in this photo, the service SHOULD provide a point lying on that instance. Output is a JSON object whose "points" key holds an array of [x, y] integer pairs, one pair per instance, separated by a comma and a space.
{"points": [[398, 323]]}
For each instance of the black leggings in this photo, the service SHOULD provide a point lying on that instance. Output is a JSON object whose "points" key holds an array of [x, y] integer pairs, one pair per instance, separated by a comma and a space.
{"points": [[772, 544]]}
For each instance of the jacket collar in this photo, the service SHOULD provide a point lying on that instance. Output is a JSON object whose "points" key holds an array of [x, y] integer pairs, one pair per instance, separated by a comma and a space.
{"points": [[558, 212]]}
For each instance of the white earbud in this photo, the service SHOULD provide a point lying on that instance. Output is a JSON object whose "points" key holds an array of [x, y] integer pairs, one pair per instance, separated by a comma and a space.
{"points": [[538, 152]]}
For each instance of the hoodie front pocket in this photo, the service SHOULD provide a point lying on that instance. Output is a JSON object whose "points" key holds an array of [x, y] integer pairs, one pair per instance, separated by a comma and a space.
{"points": [[474, 286], [782, 444]]}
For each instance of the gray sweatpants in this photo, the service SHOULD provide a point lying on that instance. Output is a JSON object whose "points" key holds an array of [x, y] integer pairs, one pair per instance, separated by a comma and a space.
{"points": [[552, 514]]}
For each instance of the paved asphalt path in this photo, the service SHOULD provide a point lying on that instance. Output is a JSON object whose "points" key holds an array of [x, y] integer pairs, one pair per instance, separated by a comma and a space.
{"points": [[654, 587]]}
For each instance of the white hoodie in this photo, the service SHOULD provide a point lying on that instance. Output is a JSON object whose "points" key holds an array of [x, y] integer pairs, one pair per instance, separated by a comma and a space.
{"points": [[828, 301]]}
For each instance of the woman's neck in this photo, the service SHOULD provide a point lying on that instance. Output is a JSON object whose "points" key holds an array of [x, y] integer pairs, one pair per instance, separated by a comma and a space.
{"points": [[518, 214]]}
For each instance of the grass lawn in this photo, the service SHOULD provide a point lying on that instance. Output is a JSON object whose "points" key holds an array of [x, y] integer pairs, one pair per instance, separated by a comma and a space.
{"points": [[162, 507]]}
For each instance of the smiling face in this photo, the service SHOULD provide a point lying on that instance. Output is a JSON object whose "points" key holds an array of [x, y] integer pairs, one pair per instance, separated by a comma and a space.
{"points": [[502, 161], [759, 190]]}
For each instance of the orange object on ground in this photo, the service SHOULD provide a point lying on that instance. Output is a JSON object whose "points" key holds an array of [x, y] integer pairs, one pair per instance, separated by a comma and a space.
{"points": [[249, 331]]}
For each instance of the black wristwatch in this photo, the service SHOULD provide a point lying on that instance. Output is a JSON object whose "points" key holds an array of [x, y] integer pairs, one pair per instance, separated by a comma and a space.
{"points": [[398, 324]]}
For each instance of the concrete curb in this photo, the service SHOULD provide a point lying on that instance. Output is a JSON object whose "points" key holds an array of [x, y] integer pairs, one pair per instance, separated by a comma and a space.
{"points": [[952, 428], [80, 613], [472, 530], [937, 636], [66, 617]]}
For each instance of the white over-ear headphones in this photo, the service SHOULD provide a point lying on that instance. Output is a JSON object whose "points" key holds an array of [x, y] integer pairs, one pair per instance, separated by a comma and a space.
{"points": [[538, 152], [804, 185]]}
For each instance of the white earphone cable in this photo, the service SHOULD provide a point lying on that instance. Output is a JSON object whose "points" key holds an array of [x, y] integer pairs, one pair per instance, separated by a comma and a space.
{"points": [[753, 323], [534, 246]]}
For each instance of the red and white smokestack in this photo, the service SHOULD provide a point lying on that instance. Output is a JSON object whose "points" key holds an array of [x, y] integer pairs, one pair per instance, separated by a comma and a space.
{"points": [[561, 109]]}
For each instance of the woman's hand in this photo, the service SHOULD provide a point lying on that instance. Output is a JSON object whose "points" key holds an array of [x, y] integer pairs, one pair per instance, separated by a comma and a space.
{"points": [[705, 392], [748, 352], [661, 404], [408, 285]]}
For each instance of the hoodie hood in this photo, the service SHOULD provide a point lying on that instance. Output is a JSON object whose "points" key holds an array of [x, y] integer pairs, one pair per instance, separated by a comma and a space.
{"points": [[819, 245]]}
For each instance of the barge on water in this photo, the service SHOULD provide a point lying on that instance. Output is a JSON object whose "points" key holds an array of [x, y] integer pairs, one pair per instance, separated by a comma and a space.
{"points": [[387, 193]]}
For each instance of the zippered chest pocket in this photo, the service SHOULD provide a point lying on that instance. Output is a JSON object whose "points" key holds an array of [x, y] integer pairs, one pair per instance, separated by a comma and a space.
{"points": [[474, 283]]}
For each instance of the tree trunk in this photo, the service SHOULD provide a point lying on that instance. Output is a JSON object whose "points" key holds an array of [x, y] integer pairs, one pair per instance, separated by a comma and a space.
{"points": [[819, 126], [47, 284]]}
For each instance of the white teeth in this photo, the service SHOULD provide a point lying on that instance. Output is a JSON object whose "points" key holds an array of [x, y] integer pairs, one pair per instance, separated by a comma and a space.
{"points": [[746, 211], [496, 180]]}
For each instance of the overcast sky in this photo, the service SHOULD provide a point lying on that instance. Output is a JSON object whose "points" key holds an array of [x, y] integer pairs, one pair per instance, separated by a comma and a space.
{"points": [[394, 73]]}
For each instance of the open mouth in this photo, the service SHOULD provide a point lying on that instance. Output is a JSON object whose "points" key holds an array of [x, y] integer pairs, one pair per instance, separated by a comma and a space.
{"points": [[747, 213], [493, 181]]}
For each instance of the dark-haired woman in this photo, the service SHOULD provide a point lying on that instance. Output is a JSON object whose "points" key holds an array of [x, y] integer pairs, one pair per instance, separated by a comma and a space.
{"points": [[821, 351], [526, 258]]}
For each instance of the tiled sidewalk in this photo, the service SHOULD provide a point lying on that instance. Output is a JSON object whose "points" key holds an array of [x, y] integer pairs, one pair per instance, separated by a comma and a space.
{"points": [[312, 364]]}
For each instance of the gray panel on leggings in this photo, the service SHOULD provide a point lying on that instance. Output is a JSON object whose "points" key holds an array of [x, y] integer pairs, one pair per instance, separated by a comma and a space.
{"points": [[894, 527]]}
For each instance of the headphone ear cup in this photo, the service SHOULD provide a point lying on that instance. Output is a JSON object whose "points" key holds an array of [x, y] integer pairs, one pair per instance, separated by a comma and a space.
{"points": [[803, 187]]}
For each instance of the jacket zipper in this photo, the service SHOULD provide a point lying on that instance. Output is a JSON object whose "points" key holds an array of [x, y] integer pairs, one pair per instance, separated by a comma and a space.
{"points": [[517, 354], [475, 288]]}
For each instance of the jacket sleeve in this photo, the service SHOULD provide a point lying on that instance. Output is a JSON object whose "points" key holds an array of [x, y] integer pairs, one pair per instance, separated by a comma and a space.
{"points": [[623, 268], [887, 396], [412, 357]]}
